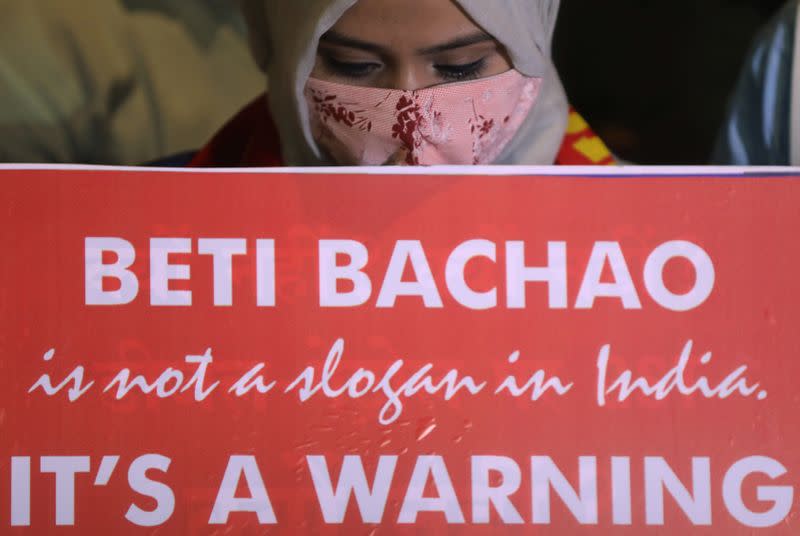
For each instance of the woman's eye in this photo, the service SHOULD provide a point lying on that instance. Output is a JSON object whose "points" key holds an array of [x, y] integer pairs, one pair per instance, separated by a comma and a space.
{"points": [[467, 71], [350, 69]]}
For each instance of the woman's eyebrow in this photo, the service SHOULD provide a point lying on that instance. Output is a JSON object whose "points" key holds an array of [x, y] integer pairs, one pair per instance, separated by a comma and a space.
{"points": [[458, 42], [334, 38]]}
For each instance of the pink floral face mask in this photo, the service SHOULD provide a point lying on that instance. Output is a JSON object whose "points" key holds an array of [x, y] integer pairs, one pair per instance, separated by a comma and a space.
{"points": [[462, 123]]}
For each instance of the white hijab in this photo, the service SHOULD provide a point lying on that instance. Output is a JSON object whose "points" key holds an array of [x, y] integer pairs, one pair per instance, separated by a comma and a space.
{"points": [[284, 36]]}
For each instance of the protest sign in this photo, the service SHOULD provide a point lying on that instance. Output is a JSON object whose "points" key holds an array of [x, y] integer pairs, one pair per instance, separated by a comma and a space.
{"points": [[193, 352]]}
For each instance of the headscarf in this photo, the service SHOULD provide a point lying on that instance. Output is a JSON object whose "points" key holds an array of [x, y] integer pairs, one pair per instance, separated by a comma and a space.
{"points": [[285, 34]]}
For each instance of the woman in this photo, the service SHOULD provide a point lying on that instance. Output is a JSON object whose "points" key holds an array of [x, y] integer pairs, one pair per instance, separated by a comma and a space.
{"points": [[370, 82]]}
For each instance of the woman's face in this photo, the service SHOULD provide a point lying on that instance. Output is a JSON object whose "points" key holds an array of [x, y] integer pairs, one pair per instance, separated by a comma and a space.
{"points": [[399, 44]]}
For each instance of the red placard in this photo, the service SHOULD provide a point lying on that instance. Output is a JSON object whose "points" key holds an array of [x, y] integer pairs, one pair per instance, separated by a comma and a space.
{"points": [[284, 353]]}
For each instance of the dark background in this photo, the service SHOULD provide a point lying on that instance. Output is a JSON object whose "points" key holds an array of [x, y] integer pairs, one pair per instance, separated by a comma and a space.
{"points": [[653, 77]]}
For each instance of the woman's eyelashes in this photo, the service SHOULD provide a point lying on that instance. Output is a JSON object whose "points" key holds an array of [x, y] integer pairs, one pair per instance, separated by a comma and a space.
{"points": [[360, 70], [466, 71], [350, 69]]}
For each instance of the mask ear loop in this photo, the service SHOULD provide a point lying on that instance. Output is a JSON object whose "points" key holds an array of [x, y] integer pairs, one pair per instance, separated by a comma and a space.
{"points": [[794, 132]]}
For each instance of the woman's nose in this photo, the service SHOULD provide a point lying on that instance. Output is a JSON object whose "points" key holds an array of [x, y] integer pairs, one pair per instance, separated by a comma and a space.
{"points": [[407, 78]]}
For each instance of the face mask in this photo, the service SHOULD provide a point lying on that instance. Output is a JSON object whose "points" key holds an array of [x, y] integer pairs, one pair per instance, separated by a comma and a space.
{"points": [[460, 124]]}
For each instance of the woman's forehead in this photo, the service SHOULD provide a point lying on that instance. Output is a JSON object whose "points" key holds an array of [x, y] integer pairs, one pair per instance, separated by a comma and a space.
{"points": [[400, 25]]}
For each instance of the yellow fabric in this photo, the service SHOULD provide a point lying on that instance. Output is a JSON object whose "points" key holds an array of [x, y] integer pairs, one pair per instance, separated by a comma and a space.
{"points": [[593, 148], [576, 123], [581, 146]]}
